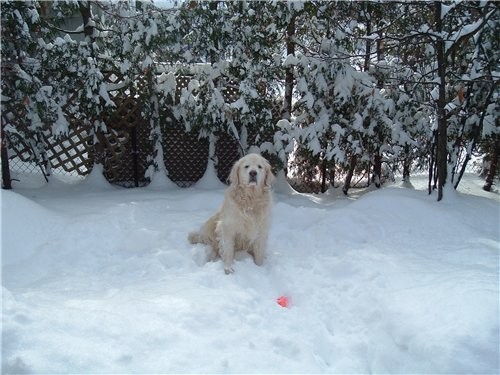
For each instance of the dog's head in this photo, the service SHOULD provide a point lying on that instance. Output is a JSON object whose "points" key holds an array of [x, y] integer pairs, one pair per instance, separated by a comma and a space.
{"points": [[251, 170]]}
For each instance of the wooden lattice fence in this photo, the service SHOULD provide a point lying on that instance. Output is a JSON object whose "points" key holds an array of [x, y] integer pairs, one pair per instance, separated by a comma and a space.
{"points": [[126, 144], [125, 147], [184, 154], [72, 153]]}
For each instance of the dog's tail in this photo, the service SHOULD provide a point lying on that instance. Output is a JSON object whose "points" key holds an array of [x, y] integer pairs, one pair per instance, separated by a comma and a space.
{"points": [[195, 237]]}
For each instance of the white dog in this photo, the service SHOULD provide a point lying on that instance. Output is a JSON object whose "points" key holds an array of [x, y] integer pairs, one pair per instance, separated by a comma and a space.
{"points": [[242, 223]]}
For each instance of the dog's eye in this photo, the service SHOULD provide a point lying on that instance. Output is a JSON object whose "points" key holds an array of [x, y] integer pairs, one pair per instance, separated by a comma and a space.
{"points": [[247, 166], [260, 166]]}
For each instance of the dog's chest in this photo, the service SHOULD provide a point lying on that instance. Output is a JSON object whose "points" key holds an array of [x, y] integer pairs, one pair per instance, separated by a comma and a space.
{"points": [[248, 212], [252, 218], [253, 211], [252, 224]]}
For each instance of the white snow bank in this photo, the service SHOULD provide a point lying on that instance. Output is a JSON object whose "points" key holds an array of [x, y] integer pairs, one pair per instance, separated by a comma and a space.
{"points": [[25, 226], [392, 282]]}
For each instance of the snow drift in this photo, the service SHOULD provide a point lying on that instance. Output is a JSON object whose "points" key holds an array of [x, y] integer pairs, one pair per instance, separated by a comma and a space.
{"points": [[104, 280]]}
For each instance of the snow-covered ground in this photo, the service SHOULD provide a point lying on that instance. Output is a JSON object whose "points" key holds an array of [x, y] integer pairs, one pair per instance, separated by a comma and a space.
{"points": [[98, 279]]}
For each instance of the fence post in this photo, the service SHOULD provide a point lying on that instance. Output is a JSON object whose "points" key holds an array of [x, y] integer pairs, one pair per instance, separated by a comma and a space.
{"points": [[135, 154]]}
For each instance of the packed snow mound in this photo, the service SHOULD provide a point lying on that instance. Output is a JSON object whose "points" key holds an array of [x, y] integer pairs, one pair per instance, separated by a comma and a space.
{"points": [[393, 282], [25, 226]]}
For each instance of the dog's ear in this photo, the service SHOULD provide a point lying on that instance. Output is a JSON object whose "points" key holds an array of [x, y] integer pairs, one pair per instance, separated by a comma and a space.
{"points": [[269, 178], [234, 176]]}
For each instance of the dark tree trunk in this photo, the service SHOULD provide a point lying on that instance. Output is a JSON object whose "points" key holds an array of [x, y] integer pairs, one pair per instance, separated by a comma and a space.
{"points": [[377, 170], [376, 177], [464, 165], [476, 133], [332, 174], [368, 43], [289, 76], [350, 173], [432, 161], [213, 53], [442, 144], [323, 176], [406, 164], [6, 181], [86, 13], [88, 29], [494, 165]]}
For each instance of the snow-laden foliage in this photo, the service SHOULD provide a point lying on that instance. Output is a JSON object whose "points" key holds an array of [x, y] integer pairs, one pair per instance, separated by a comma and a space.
{"points": [[368, 82]]}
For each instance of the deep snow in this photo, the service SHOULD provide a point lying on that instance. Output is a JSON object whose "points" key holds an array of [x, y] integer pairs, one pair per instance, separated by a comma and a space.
{"points": [[98, 279]]}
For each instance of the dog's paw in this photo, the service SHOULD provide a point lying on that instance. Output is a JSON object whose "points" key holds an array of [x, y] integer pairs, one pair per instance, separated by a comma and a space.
{"points": [[258, 260], [228, 270], [194, 237]]}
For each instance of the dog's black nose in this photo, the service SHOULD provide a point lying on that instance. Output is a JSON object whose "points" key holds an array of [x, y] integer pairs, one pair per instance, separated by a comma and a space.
{"points": [[253, 173]]}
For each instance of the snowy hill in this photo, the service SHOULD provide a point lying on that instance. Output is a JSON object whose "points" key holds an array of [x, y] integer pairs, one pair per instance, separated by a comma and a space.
{"points": [[97, 279]]}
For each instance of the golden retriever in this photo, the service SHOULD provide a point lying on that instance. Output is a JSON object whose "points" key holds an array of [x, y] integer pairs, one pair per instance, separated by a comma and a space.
{"points": [[242, 223]]}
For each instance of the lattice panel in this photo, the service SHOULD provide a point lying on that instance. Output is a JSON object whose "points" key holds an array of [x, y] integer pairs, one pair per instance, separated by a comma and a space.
{"points": [[127, 115], [194, 151], [114, 147], [18, 148], [127, 157], [127, 146], [185, 156], [21, 157], [181, 83], [227, 152], [231, 92], [73, 153]]}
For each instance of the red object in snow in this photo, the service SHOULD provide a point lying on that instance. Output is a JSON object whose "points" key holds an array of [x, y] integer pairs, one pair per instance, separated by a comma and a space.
{"points": [[283, 301]]}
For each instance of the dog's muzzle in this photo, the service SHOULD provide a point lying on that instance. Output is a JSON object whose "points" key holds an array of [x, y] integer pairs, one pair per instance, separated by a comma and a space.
{"points": [[252, 177]]}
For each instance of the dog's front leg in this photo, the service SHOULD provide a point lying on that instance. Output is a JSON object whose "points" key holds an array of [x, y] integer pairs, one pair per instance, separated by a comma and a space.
{"points": [[259, 251], [226, 246], [227, 255]]}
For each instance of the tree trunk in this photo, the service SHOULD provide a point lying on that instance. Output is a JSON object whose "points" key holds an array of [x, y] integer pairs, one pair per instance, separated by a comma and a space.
{"points": [[323, 176], [376, 177], [476, 133], [286, 112], [214, 52], [88, 29], [442, 142], [377, 170], [464, 164], [406, 164], [432, 160], [350, 173], [6, 181], [332, 174], [368, 42], [86, 13], [494, 165]]}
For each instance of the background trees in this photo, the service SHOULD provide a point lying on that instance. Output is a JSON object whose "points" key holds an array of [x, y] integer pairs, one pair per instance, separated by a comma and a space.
{"points": [[328, 89]]}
